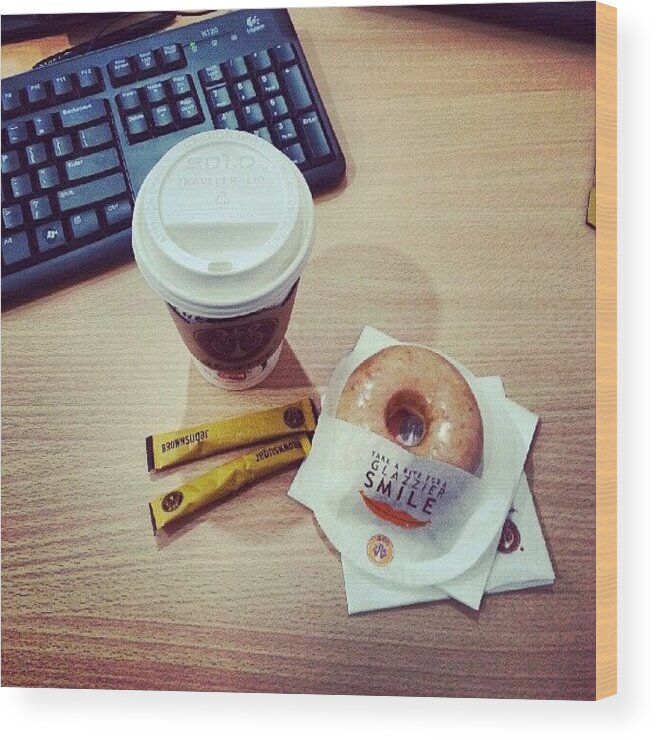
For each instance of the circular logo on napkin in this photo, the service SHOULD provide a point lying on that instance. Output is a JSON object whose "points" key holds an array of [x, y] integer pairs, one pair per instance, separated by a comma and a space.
{"points": [[171, 501], [380, 550], [510, 537]]}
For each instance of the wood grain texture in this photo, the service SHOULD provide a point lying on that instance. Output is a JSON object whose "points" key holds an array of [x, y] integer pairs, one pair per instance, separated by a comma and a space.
{"points": [[606, 328], [461, 225]]}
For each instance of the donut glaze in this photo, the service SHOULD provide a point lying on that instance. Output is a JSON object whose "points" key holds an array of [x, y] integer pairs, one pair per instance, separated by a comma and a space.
{"points": [[410, 380]]}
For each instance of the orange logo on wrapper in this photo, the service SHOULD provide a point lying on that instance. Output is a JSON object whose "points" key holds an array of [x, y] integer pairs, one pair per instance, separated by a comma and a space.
{"points": [[380, 550], [171, 501]]}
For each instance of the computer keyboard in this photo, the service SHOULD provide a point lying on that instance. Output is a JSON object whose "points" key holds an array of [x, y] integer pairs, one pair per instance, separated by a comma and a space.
{"points": [[79, 136]]}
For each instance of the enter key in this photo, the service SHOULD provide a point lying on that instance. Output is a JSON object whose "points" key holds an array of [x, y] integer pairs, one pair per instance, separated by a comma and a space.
{"points": [[92, 165]]}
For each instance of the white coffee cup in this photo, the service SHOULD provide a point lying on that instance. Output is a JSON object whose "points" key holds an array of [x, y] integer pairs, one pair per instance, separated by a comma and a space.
{"points": [[223, 226]]}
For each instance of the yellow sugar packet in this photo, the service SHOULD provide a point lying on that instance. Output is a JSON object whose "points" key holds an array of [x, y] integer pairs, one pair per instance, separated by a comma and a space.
{"points": [[227, 478], [184, 445]]}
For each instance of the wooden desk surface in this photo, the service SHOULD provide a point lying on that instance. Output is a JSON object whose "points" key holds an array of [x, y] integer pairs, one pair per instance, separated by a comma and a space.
{"points": [[470, 154]]}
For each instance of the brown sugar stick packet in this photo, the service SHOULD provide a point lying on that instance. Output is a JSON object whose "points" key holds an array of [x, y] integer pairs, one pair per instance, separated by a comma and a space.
{"points": [[227, 479], [184, 445]]}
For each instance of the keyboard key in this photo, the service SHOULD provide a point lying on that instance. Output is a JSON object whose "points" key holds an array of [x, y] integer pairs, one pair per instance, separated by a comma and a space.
{"points": [[12, 103], [155, 93], [136, 127], [146, 64], [10, 162], [62, 146], [296, 88], [21, 186], [263, 133], [295, 153], [95, 136], [37, 95], [285, 132], [218, 99], [48, 177], [17, 133], [43, 124], [228, 119], [15, 248], [276, 107], [62, 88], [162, 119], [89, 80], [40, 208], [253, 115], [269, 84], [235, 68], [36, 154], [283, 53], [84, 224], [121, 72], [315, 137], [171, 56], [128, 101], [260, 61], [50, 236], [80, 196], [91, 164], [12, 216], [245, 92], [79, 115], [118, 213], [188, 112], [210, 75], [180, 86]]}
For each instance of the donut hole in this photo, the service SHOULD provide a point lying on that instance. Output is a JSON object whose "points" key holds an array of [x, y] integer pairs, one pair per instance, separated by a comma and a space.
{"points": [[405, 418]]}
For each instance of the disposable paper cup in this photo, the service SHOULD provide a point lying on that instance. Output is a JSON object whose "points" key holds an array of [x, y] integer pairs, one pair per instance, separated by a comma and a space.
{"points": [[222, 228]]}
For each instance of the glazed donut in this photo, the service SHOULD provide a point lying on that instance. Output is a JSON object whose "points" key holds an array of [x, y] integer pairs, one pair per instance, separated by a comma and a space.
{"points": [[417, 399]]}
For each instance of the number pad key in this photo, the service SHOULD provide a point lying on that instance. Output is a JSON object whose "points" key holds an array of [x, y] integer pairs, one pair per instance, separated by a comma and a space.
{"points": [[295, 153], [218, 99], [228, 120], [268, 84], [260, 61], [235, 68], [285, 132], [276, 108], [296, 88], [245, 92], [253, 115]]}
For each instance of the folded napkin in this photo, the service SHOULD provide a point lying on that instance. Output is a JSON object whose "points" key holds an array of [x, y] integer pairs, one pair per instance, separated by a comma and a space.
{"points": [[518, 561]]}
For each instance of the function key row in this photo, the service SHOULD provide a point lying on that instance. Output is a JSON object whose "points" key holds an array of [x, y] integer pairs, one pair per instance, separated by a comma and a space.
{"points": [[146, 64], [159, 108], [60, 89]]}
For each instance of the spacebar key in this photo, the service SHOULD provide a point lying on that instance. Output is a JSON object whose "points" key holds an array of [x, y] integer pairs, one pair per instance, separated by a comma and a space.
{"points": [[91, 192]]}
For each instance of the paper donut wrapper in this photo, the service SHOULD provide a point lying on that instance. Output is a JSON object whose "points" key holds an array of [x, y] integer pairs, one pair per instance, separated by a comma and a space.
{"points": [[399, 517]]}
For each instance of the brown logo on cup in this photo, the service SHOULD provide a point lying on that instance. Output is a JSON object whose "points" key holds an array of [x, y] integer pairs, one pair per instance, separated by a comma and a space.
{"points": [[171, 501], [510, 538], [234, 346], [293, 417]]}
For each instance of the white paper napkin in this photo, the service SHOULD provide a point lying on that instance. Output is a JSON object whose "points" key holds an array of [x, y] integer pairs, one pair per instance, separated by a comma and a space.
{"points": [[528, 564]]}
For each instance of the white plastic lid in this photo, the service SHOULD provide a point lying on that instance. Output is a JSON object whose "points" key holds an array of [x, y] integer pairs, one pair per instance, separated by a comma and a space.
{"points": [[223, 225]]}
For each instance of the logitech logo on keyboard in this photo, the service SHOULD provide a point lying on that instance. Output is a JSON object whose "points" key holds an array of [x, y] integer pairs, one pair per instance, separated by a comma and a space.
{"points": [[253, 24]]}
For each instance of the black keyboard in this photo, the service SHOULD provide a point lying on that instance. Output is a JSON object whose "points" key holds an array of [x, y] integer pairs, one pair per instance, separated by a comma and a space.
{"points": [[79, 136]]}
